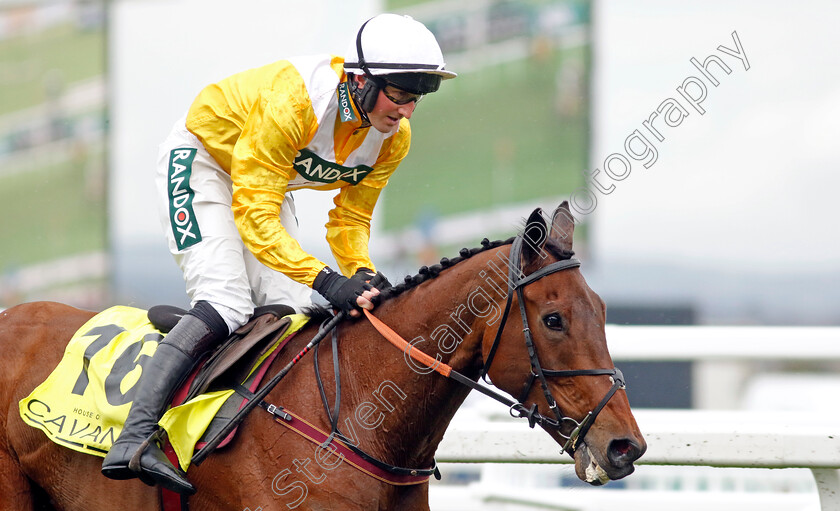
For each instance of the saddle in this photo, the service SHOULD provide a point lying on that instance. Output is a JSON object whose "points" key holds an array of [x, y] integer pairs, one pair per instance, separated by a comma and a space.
{"points": [[233, 357]]}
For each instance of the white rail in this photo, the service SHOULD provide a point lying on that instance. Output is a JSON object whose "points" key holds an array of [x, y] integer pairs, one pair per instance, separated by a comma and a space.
{"points": [[723, 343], [684, 437], [727, 359]]}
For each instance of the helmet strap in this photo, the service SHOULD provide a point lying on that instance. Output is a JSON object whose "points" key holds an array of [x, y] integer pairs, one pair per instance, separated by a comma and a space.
{"points": [[368, 95], [361, 97]]}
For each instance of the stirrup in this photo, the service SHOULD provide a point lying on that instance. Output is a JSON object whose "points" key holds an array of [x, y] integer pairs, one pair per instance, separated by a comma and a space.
{"points": [[134, 462]]}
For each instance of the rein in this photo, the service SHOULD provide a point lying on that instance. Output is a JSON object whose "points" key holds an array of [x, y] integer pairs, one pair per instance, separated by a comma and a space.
{"points": [[258, 398], [347, 442]]}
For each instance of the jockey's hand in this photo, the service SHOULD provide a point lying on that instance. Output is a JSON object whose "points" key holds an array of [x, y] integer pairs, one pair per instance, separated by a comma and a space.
{"points": [[348, 295], [377, 280]]}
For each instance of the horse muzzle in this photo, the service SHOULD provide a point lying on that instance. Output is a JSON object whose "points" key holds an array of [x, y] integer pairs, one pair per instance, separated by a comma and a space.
{"points": [[593, 467]]}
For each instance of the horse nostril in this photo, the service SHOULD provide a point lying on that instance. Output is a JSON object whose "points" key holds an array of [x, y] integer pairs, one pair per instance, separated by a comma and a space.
{"points": [[624, 452]]}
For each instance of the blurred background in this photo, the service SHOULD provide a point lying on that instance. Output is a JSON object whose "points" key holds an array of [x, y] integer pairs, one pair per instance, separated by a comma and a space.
{"points": [[730, 221], [696, 141]]}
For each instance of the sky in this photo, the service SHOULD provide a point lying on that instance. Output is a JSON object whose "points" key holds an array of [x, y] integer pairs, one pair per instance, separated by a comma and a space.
{"points": [[736, 216], [749, 183]]}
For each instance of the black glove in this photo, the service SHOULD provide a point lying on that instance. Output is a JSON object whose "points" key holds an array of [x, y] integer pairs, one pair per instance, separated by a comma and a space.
{"points": [[377, 280], [340, 291]]}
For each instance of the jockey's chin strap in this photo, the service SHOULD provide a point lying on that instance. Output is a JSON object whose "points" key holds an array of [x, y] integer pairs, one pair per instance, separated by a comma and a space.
{"points": [[518, 409]]}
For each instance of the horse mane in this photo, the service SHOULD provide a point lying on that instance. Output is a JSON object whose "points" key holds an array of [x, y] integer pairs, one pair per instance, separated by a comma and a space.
{"points": [[425, 273], [430, 272], [318, 313]]}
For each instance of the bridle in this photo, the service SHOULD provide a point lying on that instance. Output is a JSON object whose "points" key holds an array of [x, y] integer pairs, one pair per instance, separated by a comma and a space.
{"points": [[518, 409]]}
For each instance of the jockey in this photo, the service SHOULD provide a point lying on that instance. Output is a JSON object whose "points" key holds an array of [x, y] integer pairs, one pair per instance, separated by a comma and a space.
{"points": [[224, 179]]}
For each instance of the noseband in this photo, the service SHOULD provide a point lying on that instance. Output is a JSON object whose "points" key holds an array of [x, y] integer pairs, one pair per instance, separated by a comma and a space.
{"points": [[516, 283]]}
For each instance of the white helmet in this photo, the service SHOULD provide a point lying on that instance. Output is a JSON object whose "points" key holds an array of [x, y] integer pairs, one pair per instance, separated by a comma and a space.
{"points": [[390, 44]]}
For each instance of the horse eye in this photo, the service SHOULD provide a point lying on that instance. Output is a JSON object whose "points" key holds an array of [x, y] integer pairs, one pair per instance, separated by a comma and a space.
{"points": [[553, 321]]}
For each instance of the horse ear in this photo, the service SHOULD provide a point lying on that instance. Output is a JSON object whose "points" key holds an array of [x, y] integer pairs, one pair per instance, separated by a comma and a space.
{"points": [[563, 226], [534, 237]]}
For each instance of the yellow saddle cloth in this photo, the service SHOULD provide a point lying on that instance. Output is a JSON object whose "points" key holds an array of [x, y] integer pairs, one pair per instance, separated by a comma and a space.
{"points": [[85, 400]]}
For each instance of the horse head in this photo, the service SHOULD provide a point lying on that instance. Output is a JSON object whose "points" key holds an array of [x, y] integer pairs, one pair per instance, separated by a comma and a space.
{"points": [[562, 374]]}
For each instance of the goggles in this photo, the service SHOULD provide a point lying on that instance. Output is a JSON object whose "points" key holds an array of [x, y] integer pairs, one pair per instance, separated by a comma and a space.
{"points": [[399, 96]]}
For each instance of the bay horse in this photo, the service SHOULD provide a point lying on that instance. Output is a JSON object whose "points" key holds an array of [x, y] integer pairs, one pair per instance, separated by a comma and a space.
{"points": [[456, 312]]}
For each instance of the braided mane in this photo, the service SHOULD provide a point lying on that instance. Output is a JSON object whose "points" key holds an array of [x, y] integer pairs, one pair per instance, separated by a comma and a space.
{"points": [[426, 273], [429, 272]]}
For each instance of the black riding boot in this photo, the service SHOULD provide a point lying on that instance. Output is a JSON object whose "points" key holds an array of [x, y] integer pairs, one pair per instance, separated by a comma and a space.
{"points": [[173, 360]]}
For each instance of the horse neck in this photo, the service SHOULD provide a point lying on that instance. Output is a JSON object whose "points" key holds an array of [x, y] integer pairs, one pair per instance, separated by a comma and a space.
{"points": [[446, 318]]}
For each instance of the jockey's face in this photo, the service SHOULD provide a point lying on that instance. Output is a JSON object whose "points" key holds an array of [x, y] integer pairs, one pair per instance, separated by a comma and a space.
{"points": [[386, 114]]}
